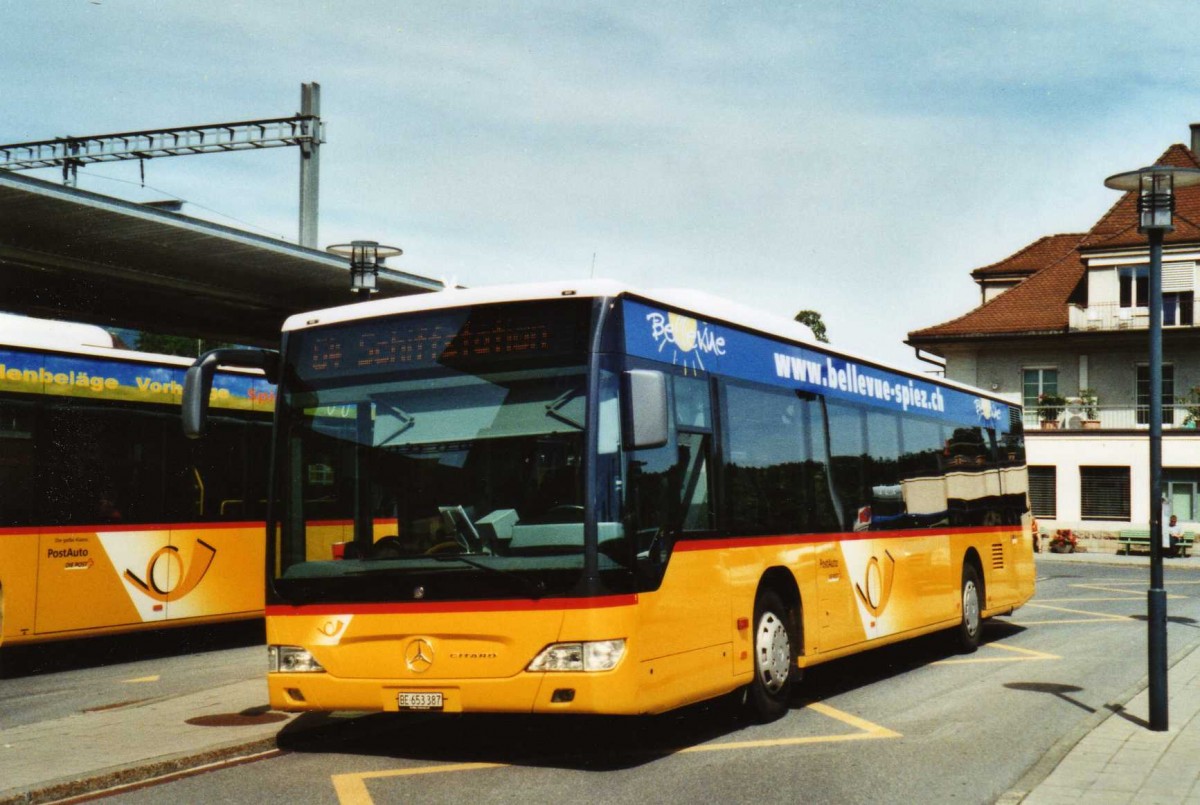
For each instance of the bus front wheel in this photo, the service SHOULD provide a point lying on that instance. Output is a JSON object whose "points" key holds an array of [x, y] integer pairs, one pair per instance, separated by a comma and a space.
{"points": [[969, 627], [774, 658]]}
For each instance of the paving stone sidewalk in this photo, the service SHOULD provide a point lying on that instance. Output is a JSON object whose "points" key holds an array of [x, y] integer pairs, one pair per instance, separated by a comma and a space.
{"points": [[64, 757]]}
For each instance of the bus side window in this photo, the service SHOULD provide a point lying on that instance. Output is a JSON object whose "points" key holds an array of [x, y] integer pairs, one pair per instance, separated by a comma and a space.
{"points": [[670, 486], [19, 493], [848, 463], [693, 417], [694, 499], [774, 472]]}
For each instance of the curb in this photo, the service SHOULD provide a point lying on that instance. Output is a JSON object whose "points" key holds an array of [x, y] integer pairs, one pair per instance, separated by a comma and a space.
{"points": [[134, 774], [1113, 560]]}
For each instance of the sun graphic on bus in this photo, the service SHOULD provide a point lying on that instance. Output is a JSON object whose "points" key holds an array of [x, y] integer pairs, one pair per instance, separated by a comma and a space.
{"points": [[689, 339]]}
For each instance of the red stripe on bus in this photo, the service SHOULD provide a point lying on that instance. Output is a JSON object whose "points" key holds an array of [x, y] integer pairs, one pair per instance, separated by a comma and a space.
{"points": [[96, 528], [423, 607], [775, 540], [117, 528]]}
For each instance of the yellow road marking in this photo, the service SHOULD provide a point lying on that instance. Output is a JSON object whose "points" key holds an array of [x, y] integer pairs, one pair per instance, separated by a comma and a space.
{"points": [[351, 788], [1109, 588], [874, 730], [1096, 616], [1112, 588], [1128, 583], [870, 731], [1029, 655], [1090, 600], [154, 678], [1061, 621]]}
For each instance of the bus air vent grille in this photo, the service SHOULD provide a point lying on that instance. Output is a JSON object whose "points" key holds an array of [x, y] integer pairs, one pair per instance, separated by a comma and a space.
{"points": [[997, 556]]}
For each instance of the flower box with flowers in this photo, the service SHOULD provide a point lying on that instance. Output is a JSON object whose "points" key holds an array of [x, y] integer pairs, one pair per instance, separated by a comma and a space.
{"points": [[1050, 408], [1091, 408], [1063, 541]]}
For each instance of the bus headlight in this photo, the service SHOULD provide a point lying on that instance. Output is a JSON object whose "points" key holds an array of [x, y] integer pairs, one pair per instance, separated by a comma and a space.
{"points": [[292, 660], [593, 655]]}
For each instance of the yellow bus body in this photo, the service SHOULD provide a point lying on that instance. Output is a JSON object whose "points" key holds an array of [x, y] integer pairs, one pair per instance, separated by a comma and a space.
{"points": [[67, 582], [688, 641]]}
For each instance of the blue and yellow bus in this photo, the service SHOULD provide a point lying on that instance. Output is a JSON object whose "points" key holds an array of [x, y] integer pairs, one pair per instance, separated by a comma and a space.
{"points": [[586, 498], [110, 520]]}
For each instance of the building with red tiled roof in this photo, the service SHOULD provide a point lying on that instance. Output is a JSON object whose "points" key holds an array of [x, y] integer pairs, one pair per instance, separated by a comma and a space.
{"points": [[999, 277], [1067, 317]]}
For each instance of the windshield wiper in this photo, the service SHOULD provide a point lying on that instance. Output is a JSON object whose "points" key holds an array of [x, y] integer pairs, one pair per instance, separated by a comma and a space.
{"points": [[404, 419], [536, 589], [554, 408]]}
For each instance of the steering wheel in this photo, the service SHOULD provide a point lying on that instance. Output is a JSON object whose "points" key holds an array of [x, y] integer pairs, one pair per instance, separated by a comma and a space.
{"points": [[386, 548], [444, 547]]}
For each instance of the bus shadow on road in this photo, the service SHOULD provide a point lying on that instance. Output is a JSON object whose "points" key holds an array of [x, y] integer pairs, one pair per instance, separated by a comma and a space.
{"points": [[881, 664], [94, 652], [577, 742], [600, 743]]}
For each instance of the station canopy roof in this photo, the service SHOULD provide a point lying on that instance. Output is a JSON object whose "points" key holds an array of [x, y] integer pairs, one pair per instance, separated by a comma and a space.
{"points": [[71, 254]]}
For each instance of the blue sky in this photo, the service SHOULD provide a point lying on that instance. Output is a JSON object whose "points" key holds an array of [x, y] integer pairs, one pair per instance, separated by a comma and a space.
{"points": [[857, 158]]}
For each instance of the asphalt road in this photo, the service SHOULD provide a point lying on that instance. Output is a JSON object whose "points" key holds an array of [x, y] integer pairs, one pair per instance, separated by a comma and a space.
{"points": [[56, 680], [906, 723]]}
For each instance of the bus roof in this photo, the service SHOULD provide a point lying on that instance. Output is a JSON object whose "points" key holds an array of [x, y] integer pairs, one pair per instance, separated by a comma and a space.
{"points": [[703, 305], [73, 338], [30, 332]]}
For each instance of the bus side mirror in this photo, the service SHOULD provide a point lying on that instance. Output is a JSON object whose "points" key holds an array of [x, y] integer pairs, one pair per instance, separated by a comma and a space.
{"points": [[647, 414], [197, 383]]}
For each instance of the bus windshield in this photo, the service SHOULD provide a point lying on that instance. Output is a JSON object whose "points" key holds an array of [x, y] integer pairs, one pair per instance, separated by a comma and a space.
{"points": [[464, 479]]}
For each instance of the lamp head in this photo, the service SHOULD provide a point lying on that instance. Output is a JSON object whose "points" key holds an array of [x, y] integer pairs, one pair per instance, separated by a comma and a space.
{"points": [[1155, 187], [365, 258]]}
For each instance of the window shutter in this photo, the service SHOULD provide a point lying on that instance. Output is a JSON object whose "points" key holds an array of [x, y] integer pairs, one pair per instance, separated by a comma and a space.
{"points": [[1178, 276], [1104, 493], [1043, 491]]}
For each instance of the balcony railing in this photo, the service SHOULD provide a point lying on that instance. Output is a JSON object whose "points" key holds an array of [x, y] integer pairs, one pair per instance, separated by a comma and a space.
{"points": [[1111, 316], [1112, 417]]}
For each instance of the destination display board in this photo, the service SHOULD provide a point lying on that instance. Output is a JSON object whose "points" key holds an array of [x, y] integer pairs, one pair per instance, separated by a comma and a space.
{"points": [[473, 336]]}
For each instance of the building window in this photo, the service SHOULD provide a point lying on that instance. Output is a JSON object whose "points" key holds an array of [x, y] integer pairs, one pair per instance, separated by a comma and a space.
{"points": [[1043, 491], [1177, 308], [1134, 286], [1182, 488], [1104, 493], [1142, 393], [1036, 382]]}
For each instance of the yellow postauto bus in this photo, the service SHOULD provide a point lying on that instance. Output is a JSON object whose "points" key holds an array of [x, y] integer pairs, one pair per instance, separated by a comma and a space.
{"points": [[110, 520], [585, 498]]}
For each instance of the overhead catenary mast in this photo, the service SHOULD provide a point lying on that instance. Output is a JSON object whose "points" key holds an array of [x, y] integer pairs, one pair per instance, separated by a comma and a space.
{"points": [[304, 130]]}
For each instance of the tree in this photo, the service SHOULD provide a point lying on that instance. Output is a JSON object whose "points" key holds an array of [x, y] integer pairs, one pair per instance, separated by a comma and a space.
{"points": [[813, 319], [181, 345]]}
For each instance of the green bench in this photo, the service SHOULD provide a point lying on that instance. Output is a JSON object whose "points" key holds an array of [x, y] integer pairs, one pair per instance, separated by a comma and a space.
{"points": [[1139, 538]]}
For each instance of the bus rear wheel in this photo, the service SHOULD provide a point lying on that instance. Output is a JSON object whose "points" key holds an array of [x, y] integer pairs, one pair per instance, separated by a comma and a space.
{"points": [[775, 649], [969, 628]]}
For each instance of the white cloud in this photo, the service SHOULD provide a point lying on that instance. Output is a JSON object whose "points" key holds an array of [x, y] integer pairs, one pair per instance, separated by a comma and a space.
{"points": [[857, 158]]}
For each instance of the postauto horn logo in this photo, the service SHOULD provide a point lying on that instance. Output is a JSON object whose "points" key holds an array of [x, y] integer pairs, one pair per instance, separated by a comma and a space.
{"points": [[690, 340], [202, 557]]}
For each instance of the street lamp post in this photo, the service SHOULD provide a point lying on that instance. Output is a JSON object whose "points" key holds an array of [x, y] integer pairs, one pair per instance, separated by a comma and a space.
{"points": [[1155, 187], [366, 256]]}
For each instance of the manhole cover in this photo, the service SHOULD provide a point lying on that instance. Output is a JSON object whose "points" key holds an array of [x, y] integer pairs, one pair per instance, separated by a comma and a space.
{"points": [[246, 718]]}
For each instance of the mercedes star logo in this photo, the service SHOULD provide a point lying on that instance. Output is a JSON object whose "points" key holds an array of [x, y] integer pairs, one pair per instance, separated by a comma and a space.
{"points": [[419, 656]]}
